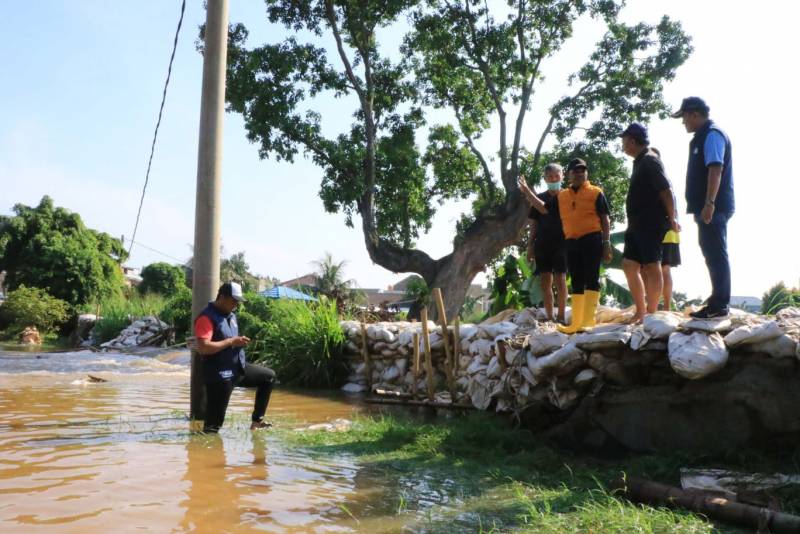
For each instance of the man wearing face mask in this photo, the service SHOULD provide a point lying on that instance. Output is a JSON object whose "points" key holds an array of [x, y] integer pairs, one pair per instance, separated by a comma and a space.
{"points": [[585, 218], [546, 242]]}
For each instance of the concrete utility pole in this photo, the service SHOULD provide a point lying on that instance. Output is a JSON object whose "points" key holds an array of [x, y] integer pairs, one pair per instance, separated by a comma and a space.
{"points": [[205, 276]]}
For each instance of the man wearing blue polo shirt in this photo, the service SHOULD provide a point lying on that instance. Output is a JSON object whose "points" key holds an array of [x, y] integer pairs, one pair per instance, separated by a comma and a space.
{"points": [[709, 197]]}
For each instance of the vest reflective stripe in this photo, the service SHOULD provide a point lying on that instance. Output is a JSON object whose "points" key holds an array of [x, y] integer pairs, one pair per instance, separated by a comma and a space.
{"points": [[579, 210], [227, 363]]}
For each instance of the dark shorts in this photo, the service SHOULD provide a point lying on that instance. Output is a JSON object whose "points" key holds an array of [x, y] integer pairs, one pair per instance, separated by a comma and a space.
{"points": [[643, 245], [670, 254], [550, 258]]}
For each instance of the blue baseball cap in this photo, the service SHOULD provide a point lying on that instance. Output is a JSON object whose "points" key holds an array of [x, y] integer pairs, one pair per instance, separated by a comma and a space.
{"points": [[637, 130], [691, 103]]}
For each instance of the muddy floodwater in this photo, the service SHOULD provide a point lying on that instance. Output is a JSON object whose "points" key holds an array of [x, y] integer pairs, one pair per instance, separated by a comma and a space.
{"points": [[116, 456]]}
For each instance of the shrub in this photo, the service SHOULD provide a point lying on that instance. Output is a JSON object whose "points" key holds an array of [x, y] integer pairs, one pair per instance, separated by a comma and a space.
{"points": [[779, 297], [31, 306], [178, 312], [302, 342], [162, 278]]}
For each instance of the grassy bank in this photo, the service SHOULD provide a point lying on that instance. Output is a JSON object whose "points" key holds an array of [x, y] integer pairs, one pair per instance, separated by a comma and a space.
{"points": [[504, 479]]}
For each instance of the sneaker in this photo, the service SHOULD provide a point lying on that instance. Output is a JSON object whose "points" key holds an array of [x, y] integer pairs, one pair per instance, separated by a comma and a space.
{"points": [[260, 425], [710, 313]]}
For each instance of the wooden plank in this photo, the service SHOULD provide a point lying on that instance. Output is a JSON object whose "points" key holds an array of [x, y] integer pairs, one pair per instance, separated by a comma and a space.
{"points": [[415, 364], [448, 354], [429, 404], [426, 345], [365, 354]]}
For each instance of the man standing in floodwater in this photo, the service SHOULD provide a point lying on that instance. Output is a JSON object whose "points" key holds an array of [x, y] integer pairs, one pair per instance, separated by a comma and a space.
{"points": [[709, 197], [224, 367]]}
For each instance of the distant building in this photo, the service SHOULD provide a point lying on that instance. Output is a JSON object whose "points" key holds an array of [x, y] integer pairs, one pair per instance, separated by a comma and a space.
{"points": [[131, 276], [307, 280], [749, 304]]}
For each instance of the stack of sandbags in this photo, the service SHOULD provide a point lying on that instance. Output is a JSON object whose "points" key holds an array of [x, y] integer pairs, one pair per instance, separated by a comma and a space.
{"points": [[146, 332]]}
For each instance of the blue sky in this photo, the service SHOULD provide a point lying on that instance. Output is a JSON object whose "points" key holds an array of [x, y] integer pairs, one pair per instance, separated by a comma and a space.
{"points": [[82, 83]]}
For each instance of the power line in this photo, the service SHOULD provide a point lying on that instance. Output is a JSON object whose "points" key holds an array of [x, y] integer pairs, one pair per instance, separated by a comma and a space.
{"points": [[151, 249], [158, 123]]}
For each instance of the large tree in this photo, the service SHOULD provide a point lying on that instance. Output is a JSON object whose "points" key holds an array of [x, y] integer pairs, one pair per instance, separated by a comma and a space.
{"points": [[481, 67], [50, 248]]}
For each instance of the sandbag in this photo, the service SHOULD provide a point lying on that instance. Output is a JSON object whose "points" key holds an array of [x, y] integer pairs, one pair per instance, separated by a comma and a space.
{"points": [[585, 377], [696, 355], [479, 392], [476, 366], [749, 334], [546, 343], [526, 317], [661, 324], [354, 388], [467, 331], [603, 337], [494, 370], [564, 360], [491, 331], [708, 325], [783, 346]]}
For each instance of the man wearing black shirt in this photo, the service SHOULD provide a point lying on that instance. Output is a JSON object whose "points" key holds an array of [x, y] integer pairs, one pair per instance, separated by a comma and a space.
{"points": [[546, 243], [651, 213]]}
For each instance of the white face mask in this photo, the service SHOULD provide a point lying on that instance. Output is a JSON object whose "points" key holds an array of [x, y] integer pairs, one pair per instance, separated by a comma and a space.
{"points": [[553, 186]]}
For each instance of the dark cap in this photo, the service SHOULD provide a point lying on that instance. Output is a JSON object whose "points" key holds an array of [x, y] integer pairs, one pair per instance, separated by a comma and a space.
{"points": [[691, 103], [575, 163], [233, 290], [636, 130]]}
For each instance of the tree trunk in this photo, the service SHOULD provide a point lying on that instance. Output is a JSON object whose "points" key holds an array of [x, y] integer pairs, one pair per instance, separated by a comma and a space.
{"points": [[483, 241]]}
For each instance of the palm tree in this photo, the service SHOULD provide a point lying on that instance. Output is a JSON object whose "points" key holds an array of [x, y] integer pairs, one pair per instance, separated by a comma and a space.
{"points": [[329, 280]]}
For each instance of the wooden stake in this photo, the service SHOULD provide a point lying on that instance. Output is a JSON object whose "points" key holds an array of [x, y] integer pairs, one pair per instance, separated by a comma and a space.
{"points": [[365, 353], [456, 343], [501, 354], [415, 364], [448, 362], [426, 343]]}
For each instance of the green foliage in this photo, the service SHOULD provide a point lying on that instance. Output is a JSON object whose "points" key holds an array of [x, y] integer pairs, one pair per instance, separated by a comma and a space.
{"points": [[329, 281], [418, 290], [779, 297], [30, 306], [50, 248], [177, 312], [118, 312], [302, 342], [391, 166], [162, 278], [236, 269], [514, 285]]}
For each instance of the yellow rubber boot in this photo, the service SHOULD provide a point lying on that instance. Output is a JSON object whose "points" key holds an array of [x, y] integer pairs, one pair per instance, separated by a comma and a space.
{"points": [[590, 301], [577, 316]]}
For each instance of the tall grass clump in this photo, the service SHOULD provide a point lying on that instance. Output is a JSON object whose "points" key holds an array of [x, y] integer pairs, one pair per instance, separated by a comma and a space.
{"points": [[118, 312], [302, 342]]}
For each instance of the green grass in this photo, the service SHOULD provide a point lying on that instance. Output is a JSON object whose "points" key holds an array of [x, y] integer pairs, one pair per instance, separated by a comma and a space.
{"points": [[117, 313], [507, 479]]}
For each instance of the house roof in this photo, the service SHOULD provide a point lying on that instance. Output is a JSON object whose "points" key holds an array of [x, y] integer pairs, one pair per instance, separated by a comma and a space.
{"points": [[309, 279]]}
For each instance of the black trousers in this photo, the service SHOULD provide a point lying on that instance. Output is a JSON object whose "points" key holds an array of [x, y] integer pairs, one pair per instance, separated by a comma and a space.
{"points": [[713, 239], [583, 261], [219, 393]]}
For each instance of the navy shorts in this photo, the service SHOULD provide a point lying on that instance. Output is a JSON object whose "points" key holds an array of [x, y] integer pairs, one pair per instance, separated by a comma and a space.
{"points": [[643, 245], [550, 257], [670, 254]]}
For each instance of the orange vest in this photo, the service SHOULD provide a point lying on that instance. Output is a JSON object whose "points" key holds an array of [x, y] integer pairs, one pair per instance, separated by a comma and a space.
{"points": [[578, 210]]}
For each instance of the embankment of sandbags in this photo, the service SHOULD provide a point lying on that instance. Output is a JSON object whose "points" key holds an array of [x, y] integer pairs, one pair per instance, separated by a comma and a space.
{"points": [[607, 389]]}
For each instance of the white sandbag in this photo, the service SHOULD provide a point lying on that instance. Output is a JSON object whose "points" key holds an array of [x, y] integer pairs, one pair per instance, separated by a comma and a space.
{"points": [[603, 337], [467, 331], [478, 392], [639, 338], [354, 388], [388, 353], [463, 382], [464, 360], [749, 334], [401, 364], [530, 359], [491, 331], [587, 376], [546, 343], [696, 355], [564, 398], [708, 325], [406, 337], [783, 346], [437, 341], [527, 375], [482, 347], [477, 366], [526, 317], [465, 345], [494, 370], [511, 355], [361, 368], [564, 360], [661, 324]]}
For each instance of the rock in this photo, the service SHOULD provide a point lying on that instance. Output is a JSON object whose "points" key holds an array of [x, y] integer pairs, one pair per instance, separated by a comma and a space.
{"points": [[354, 388]]}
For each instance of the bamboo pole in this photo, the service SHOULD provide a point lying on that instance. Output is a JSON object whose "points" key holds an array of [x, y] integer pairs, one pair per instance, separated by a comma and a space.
{"points": [[415, 364], [448, 362], [426, 342], [365, 353]]}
